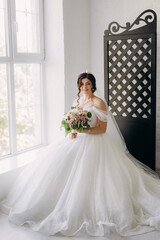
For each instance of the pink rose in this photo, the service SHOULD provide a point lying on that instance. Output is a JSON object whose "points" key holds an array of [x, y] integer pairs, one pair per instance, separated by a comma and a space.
{"points": [[69, 121], [82, 118]]}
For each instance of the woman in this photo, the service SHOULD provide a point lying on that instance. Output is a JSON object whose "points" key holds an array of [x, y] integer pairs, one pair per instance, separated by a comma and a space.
{"points": [[87, 86], [86, 182]]}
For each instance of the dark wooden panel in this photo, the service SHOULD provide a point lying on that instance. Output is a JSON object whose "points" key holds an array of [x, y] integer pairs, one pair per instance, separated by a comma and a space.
{"points": [[139, 140], [130, 83]]}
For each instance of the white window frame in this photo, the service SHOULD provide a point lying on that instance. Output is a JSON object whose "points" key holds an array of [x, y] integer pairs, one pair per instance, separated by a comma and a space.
{"points": [[32, 56], [12, 57]]}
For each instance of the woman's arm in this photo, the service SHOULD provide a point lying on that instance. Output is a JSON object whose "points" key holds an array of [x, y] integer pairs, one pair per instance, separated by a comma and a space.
{"points": [[101, 128]]}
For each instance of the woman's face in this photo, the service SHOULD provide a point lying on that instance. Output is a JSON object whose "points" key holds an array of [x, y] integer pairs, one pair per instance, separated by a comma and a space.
{"points": [[86, 86]]}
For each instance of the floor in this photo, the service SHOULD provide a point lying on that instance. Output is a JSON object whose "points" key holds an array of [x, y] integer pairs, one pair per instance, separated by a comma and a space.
{"points": [[9, 231]]}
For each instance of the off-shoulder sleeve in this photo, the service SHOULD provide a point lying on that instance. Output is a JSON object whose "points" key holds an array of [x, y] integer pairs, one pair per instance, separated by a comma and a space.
{"points": [[101, 114]]}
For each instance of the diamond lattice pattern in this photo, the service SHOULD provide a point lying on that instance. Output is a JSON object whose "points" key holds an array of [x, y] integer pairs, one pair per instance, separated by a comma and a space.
{"points": [[130, 77]]}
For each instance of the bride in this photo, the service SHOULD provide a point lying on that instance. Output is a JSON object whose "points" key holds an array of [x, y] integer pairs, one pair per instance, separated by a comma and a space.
{"points": [[87, 181]]}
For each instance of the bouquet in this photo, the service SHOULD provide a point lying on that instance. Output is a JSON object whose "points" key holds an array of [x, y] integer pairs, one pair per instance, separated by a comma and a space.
{"points": [[76, 119]]}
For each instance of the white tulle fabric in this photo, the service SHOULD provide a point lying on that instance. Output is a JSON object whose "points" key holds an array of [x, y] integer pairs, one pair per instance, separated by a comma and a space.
{"points": [[86, 184]]}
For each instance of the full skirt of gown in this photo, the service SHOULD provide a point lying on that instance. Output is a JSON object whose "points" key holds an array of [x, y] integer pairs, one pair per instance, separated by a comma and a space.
{"points": [[86, 184]]}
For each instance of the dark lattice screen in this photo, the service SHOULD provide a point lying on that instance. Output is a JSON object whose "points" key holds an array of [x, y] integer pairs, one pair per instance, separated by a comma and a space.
{"points": [[130, 84], [130, 77]]}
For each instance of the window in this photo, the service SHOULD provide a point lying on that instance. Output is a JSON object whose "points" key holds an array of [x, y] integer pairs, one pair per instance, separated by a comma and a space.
{"points": [[21, 68]]}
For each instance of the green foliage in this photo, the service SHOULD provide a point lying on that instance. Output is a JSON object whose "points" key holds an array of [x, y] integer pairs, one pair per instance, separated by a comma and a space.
{"points": [[81, 129], [63, 122], [89, 114], [68, 130]]}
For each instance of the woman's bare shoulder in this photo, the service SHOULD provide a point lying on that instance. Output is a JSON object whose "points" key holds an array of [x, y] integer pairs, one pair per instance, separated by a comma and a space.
{"points": [[99, 103]]}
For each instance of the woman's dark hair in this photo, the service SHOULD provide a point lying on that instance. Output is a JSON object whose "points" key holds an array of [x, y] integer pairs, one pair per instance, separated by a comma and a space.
{"points": [[90, 77]]}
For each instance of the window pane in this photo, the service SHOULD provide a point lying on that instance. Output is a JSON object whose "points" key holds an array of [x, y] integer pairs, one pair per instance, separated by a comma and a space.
{"points": [[27, 17], [2, 30], [28, 105], [4, 120]]}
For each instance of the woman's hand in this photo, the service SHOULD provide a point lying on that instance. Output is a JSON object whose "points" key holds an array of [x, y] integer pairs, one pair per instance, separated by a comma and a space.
{"points": [[72, 135]]}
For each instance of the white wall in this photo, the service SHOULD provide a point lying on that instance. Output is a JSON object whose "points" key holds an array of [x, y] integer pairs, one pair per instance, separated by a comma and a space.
{"points": [[76, 45], [103, 12], [54, 66]]}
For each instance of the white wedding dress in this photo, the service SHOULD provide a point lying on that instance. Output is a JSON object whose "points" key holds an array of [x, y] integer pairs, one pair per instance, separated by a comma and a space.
{"points": [[85, 184]]}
